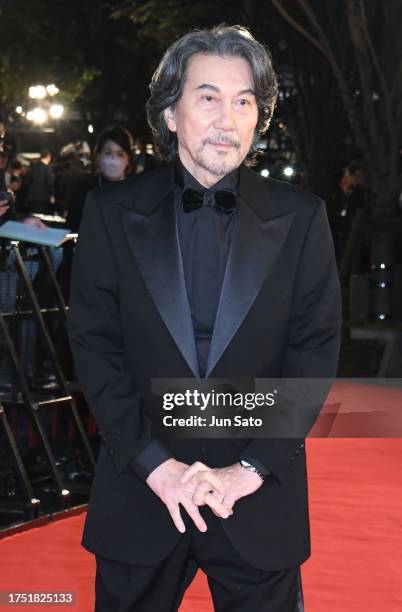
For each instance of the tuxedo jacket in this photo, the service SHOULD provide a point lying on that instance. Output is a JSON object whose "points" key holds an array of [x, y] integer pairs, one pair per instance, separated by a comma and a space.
{"points": [[129, 321]]}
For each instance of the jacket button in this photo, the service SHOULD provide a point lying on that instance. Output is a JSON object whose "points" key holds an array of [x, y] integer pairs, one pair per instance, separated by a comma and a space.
{"points": [[111, 451]]}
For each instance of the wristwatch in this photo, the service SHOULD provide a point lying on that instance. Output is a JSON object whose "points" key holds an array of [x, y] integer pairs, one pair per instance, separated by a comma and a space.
{"points": [[251, 468]]}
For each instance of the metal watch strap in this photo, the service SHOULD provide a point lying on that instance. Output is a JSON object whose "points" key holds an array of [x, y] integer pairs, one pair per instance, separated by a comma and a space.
{"points": [[248, 466]]}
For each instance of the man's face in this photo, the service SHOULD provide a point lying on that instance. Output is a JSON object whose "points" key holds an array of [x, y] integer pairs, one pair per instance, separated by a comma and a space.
{"points": [[216, 116]]}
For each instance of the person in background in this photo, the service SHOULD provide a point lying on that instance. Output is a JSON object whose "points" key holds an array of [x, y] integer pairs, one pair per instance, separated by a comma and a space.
{"points": [[8, 212], [114, 161], [143, 161], [4, 209], [351, 196], [11, 192], [358, 193], [15, 186], [40, 183], [3, 166], [68, 177], [6, 144], [17, 183], [13, 171]]}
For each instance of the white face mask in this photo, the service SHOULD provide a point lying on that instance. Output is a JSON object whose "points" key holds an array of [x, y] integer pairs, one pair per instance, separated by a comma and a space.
{"points": [[112, 167]]}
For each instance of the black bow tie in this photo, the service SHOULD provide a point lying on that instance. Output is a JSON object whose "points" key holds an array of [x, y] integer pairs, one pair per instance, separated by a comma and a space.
{"points": [[224, 200]]}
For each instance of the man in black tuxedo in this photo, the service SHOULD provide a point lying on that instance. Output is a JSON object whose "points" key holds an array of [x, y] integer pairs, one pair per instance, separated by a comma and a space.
{"points": [[200, 269]]}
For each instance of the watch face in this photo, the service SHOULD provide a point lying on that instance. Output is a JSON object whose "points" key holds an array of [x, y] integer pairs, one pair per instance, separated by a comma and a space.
{"points": [[246, 464]]}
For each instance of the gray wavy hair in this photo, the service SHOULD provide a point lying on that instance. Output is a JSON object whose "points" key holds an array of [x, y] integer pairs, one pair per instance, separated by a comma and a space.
{"points": [[168, 79]]}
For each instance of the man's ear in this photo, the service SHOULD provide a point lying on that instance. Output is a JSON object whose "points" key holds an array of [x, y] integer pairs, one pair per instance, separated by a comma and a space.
{"points": [[169, 118]]}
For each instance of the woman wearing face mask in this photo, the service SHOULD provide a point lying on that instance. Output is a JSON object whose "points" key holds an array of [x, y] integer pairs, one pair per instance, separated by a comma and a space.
{"points": [[114, 161], [114, 158]]}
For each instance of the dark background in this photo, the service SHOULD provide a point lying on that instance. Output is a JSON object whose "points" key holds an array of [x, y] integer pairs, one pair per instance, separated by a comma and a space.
{"points": [[338, 63]]}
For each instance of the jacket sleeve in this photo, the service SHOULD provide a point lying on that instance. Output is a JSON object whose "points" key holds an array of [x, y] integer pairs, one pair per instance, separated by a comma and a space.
{"points": [[95, 335], [312, 349]]}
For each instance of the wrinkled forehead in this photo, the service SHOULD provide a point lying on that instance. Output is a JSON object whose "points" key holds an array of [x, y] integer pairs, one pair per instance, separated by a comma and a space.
{"points": [[223, 72]]}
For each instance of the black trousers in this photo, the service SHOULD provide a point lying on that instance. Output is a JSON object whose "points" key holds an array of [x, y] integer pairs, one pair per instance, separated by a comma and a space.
{"points": [[235, 585]]}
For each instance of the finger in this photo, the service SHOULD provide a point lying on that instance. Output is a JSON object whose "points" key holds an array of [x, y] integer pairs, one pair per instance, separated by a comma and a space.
{"points": [[200, 492], [214, 501], [215, 505], [219, 516], [218, 496], [228, 501], [174, 512], [218, 507], [214, 481], [194, 513], [215, 497], [193, 469]]}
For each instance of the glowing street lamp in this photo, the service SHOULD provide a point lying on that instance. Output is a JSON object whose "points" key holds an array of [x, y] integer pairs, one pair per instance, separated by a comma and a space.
{"points": [[52, 90], [37, 115], [288, 171], [46, 109], [37, 92], [56, 111]]}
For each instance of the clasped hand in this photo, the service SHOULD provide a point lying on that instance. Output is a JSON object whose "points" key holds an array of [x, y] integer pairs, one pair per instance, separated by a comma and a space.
{"points": [[196, 485]]}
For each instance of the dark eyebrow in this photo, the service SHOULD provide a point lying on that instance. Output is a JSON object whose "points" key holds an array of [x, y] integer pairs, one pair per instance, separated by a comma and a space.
{"points": [[207, 86], [248, 91]]}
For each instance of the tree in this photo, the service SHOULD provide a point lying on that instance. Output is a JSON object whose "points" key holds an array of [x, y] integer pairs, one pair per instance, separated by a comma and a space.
{"points": [[81, 48], [39, 44], [358, 40]]}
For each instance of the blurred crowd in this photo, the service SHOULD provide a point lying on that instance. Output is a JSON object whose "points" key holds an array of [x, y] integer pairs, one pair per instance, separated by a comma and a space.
{"points": [[57, 185], [51, 190]]}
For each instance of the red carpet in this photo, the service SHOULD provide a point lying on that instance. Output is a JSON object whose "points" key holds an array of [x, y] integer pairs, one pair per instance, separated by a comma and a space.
{"points": [[355, 491]]}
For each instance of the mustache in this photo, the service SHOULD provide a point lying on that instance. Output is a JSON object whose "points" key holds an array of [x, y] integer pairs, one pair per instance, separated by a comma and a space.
{"points": [[221, 139]]}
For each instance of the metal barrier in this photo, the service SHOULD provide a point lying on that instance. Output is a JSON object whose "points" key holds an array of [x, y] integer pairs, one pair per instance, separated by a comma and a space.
{"points": [[39, 466]]}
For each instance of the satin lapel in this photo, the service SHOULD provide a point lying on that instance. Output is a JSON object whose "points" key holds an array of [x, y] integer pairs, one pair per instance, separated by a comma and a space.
{"points": [[154, 241], [256, 243]]}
